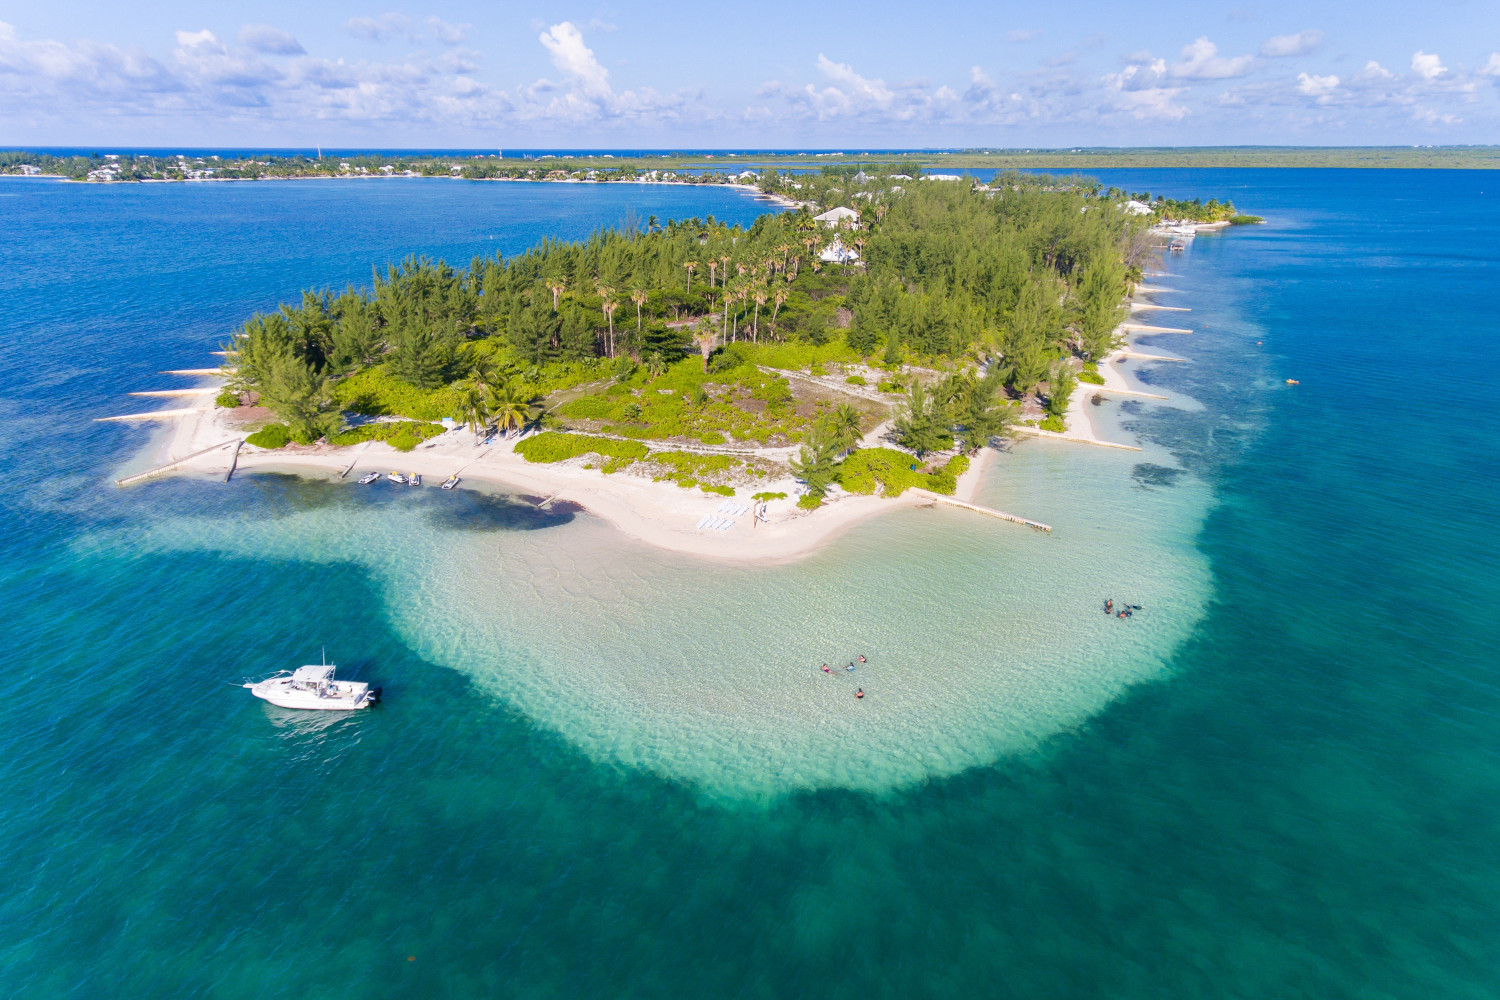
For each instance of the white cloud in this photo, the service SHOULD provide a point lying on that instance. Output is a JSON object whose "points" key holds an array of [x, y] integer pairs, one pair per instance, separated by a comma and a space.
{"points": [[271, 41], [1491, 68], [1021, 35], [1427, 66], [1373, 71], [1316, 86], [573, 57], [380, 28], [1141, 91], [857, 87], [1201, 61], [1281, 46], [448, 34]]}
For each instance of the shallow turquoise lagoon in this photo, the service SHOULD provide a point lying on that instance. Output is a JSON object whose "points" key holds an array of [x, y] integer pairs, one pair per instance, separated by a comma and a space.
{"points": [[602, 770]]}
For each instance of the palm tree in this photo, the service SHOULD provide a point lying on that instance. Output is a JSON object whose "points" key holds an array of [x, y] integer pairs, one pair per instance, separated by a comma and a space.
{"points": [[713, 266], [760, 300], [511, 408], [609, 313], [639, 298], [705, 336], [843, 428], [557, 286], [691, 266], [778, 300], [474, 408]]}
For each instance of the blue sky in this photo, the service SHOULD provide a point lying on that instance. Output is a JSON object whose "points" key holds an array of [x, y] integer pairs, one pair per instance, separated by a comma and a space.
{"points": [[763, 73]]}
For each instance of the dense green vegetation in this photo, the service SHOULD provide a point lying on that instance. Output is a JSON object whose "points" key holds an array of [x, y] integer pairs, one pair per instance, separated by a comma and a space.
{"points": [[706, 168], [969, 304]]}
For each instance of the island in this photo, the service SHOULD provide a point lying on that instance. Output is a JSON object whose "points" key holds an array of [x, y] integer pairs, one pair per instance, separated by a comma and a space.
{"points": [[728, 391]]}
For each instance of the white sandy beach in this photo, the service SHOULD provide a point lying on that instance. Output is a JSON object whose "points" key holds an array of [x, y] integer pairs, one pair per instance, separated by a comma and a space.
{"points": [[661, 514], [658, 513]]}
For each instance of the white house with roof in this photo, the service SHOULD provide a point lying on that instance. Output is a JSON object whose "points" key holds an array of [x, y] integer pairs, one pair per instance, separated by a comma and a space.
{"points": [[835, 217], [1133, 207]]}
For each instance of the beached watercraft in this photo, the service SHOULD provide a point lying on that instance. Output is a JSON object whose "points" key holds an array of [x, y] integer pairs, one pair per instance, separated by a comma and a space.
{"points": [[450, 482], [397, 478], [414, 480], [313, 688], [367, 479]]}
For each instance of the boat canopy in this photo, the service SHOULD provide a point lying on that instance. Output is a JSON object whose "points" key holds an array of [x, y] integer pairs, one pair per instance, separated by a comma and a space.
{"points": [[314, 674]]}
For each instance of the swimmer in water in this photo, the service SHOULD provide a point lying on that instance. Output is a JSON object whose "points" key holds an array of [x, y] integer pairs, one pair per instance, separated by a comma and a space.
{"points": [[1109, 604], [861, 657], [826, 670], [850, 666], [860, 693]]}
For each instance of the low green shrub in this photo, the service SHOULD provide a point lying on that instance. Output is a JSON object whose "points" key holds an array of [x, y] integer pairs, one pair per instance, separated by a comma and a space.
{"points": [[271, 436], [1054, 424], [1092, 378], [891, 385], [403, 435], [766, 497], [809, 502], [856, 380], [554, 446], [723, 491], [376, 392], [892, 472], [1244, 220], [712, 437], [228, 399]]}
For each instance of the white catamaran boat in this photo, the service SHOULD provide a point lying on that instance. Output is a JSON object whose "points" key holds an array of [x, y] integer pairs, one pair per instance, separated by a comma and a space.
{"points": [[313, 687]]}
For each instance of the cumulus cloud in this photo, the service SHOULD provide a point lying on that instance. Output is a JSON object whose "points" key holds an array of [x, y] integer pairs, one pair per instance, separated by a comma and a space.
{"points": [[1491, 68], [574, 58], [1281, 46], [269, 40], [1141, 91], [1201, 61], [1319, 87], [1021, 35], [1427, 66]]}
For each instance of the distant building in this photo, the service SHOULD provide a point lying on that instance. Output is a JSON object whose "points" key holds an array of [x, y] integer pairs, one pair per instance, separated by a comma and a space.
{"points": [[837, 253], [941, 177], [30, 170], [835, 217], [1133, 207]]}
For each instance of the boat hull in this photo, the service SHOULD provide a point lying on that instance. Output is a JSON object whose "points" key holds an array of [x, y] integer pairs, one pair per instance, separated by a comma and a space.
{"points": [[342, 696]]}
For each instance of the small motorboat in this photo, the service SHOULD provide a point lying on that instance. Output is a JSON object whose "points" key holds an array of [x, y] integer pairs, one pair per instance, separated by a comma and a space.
{"points": [[368, 479], [450, 482], [397, 478], [413, 480], [313, 688]]}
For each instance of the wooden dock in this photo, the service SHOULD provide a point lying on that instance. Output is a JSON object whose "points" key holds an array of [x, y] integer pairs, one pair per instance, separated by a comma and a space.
{"points": [[172, 465], [234, 460], [1151, 357], [1074, 438], [988, 511]]}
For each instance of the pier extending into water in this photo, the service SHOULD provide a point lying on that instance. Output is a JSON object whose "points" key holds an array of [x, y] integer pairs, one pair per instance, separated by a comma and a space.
{"points": [[988, 511], [174, 464]]}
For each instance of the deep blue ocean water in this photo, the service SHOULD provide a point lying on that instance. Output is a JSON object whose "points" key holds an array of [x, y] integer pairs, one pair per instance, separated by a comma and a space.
{"points": [[1306, 806]]}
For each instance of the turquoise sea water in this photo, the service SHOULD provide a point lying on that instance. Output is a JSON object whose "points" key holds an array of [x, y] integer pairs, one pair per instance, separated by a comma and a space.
{"points": [[571, 790]]}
